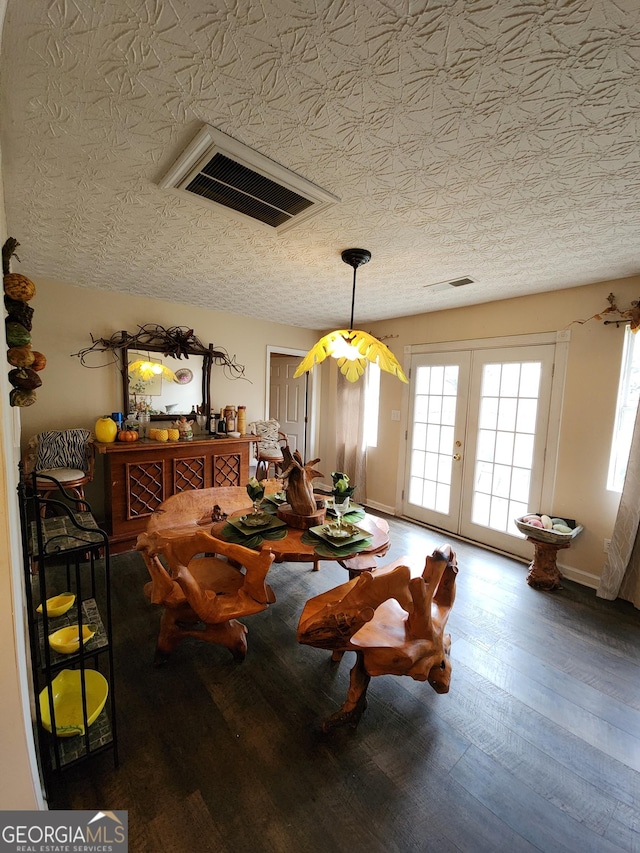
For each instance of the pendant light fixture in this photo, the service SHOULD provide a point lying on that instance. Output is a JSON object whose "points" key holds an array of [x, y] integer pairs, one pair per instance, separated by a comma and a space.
{"points": [[149, 369], [352, 348]]}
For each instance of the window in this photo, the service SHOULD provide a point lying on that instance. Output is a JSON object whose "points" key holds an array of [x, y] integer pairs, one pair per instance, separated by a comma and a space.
{"points": [[628, 394], [371, 407]]}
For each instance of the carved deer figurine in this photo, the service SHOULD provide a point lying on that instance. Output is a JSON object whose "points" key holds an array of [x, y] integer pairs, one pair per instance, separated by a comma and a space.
{"points": [[298, 485]]}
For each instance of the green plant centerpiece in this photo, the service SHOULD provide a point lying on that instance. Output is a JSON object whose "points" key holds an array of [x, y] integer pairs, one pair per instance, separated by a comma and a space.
{"points": [[255, 490], [341, 488]]}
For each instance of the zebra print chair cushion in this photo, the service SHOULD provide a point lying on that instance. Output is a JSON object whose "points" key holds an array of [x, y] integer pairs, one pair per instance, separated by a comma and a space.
{"points": [[63, 449]]}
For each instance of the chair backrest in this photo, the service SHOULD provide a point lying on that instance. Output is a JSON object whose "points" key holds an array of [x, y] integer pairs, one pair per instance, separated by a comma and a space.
{"points": [[186, 509], [269, 438], [68, 448], [172, 587]]}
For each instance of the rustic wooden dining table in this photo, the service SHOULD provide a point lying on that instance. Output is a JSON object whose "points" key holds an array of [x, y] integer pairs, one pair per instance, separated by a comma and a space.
{"points": [[303, 546]]}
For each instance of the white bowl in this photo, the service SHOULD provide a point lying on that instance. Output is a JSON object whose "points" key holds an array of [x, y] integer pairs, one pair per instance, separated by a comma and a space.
{"points": [[233, 434]]}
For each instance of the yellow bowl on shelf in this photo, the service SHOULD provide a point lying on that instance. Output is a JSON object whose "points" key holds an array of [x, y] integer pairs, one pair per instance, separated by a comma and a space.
{"points": [[67, 640], [59, 604], [66, 689]]}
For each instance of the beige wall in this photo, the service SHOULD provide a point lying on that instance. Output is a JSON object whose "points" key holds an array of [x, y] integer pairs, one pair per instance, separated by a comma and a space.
{"points": [[75, 396], [19, 783], [587, 418]]}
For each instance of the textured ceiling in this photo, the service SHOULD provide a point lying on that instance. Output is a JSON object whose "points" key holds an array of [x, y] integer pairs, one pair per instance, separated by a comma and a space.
{"points": [[496, 140]]}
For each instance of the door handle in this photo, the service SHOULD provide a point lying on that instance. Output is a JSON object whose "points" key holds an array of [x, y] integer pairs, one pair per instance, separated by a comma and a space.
{"points": [[457, 457]]}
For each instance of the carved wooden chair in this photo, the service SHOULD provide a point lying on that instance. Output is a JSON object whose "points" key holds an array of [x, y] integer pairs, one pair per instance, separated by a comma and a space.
{"points": [[206, 586], [392, 621]]}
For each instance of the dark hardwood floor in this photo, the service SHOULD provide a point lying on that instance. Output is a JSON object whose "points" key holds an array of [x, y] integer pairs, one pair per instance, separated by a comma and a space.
{"points": [[535, 747]]}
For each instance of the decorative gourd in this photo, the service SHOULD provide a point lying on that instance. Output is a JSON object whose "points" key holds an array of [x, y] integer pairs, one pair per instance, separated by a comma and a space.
{"points": [[18, 397], [18, 286], [127, 435], [24, 378], [17, 335], [174, 434], [106, 430], [21, 356], [39, 361], [19, 311]]}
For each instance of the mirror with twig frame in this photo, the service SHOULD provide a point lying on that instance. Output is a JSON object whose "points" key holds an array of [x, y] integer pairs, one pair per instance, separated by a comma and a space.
{"points": [[165, 371], [164, 386]]}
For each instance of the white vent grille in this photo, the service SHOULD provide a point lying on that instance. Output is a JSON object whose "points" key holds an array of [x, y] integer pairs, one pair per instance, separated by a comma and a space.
{"points": [[437, 286], [218, 170]]}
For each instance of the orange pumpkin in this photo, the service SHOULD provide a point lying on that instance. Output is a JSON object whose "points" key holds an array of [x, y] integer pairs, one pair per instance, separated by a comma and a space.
{"points": [[127, 435]]}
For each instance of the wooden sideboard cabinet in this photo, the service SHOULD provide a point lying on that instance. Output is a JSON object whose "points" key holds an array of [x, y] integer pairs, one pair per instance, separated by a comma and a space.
{"points": [[140, 475]]}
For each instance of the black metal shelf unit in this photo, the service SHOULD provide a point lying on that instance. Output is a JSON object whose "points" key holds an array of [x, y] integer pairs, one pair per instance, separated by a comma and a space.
{"points": [[66, 551]]}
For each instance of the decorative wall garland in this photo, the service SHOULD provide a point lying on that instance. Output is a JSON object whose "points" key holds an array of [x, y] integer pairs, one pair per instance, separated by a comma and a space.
{"points": [[176, 341], [27, 362], [629, 315]]}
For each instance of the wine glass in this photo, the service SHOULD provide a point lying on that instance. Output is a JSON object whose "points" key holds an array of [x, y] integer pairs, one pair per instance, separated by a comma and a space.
{"points": [[201, 421], [340, 507]]}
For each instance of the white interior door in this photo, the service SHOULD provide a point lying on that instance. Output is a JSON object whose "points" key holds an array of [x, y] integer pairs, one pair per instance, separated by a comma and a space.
{"points": [[288, 400], [477, 441]]}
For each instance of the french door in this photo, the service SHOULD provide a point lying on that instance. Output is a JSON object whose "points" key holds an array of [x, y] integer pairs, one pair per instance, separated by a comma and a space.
{"points": [[478, 428]]}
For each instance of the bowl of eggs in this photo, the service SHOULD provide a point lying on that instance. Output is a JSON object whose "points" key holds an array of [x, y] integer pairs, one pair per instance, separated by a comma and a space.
{"points": [[548, 528]]}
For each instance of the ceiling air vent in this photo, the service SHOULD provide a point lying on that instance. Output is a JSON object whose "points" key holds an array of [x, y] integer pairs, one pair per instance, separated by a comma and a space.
{"points": [[218, 170], [437, 286]]}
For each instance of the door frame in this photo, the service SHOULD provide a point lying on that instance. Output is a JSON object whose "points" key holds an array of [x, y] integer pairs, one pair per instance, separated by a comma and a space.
{"points": [[311, 430], [561, 341]]}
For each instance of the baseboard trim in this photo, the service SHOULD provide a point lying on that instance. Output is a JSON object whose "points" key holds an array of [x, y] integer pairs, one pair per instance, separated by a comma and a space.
{"points": [[569, 572], [388, 510], [578, 576]]}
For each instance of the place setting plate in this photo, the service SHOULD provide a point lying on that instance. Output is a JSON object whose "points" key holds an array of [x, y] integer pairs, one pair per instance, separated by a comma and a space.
{"points": [[252, 523], [340, 537], [277, 498]]}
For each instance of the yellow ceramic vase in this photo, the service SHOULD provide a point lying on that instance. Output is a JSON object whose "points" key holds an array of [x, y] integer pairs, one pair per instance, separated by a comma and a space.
{"points": [[106, 430]]}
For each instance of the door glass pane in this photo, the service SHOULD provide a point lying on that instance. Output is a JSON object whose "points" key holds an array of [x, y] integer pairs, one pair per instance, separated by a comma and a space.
{"points": [[526, 417], [486, 445], [417, 463], [507, 413], [489, 412], [419, 436], [506, 427], [433, 431], [504, 447], [530, 379]]}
